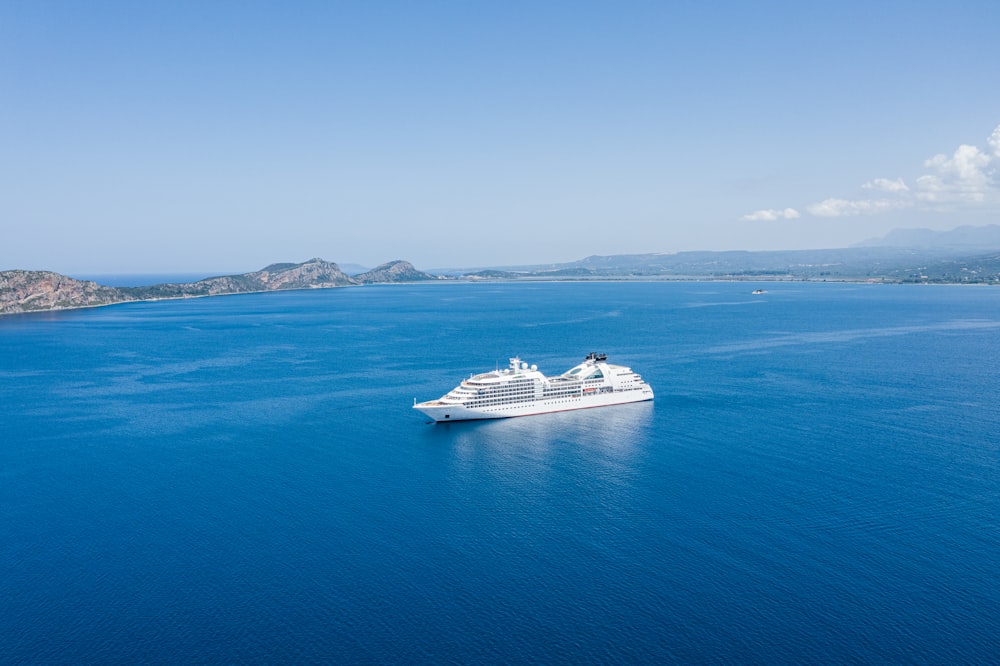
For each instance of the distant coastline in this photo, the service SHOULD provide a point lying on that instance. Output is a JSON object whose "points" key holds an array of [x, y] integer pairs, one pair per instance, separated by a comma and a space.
{"points": [[965, 263], [39, 291]]}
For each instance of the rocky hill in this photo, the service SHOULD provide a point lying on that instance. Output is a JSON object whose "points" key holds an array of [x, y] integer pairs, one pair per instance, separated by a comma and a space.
{"points": [[28, 291], [312, 274], [394, 271]]}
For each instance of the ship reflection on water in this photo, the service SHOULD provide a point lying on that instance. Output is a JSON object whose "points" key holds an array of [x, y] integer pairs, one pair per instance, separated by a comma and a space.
{"points": [[612, 430]]}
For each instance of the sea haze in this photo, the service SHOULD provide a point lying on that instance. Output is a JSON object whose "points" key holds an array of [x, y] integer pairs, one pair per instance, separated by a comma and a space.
{"points": [[243, 479]]}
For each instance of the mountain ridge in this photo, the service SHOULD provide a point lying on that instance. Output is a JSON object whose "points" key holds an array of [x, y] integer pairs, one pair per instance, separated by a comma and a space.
{"points": [[966, 237], [31, 291]]}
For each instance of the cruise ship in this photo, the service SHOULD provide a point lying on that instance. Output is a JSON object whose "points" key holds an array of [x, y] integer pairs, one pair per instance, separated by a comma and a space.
{"points": [[521, 390]]}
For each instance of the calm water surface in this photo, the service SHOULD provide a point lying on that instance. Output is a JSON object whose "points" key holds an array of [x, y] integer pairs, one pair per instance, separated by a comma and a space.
{"points": [[242, 479]]}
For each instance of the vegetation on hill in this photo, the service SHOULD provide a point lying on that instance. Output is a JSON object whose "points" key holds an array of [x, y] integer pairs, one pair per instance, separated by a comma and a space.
{"points": [[393, 271], [861, 263], [28, 291]]}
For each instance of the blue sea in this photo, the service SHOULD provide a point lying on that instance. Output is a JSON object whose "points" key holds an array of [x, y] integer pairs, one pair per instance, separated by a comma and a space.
{"points": [[242, 479]]}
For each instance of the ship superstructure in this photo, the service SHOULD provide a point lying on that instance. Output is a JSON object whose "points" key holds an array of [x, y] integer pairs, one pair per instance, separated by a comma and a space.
{"points": [[521, 390]]}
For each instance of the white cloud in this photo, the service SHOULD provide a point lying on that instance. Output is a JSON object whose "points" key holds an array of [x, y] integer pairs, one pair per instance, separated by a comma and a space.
{"points": [[886, 185], [771, 214], [968, 176], [994, 142], [844, 207]]}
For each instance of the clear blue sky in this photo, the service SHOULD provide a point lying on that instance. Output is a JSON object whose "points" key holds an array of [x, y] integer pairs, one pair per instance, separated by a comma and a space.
{"points": [[223, 136]]}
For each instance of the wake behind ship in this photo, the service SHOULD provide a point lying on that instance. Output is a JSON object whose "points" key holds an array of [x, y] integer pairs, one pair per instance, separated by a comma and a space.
{"points": [[520, 390]]}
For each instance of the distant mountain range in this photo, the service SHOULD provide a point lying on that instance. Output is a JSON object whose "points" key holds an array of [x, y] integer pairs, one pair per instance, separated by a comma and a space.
{"points": [[28, 291], [964, 255], [965, 238], [867, 263]]}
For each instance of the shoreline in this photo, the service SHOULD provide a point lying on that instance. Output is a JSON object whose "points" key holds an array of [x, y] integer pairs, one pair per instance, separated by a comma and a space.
{"points": [[172, 298], [606, 279]]}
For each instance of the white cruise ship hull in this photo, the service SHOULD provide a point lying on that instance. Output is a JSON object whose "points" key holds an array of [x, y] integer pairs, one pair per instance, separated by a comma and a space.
{"points": [[444, 412], [521, 390]]}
